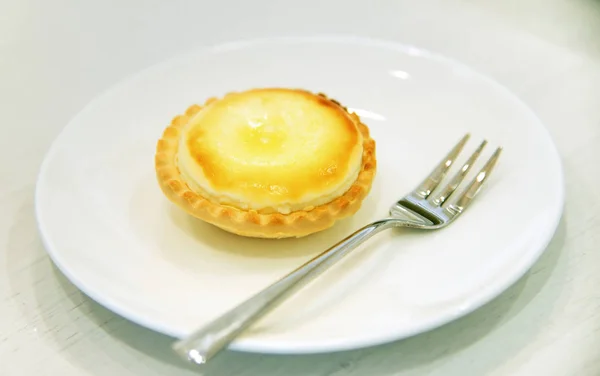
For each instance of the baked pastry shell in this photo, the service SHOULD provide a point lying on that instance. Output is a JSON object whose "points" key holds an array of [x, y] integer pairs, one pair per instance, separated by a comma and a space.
{"points": [[251, 223]]}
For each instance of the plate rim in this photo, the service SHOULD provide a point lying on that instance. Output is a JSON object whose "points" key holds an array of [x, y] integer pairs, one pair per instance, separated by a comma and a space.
{"points": [[306, 347]]}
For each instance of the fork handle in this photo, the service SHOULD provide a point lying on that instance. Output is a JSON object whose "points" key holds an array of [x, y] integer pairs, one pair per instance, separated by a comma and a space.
{"points": [[205, 343]]}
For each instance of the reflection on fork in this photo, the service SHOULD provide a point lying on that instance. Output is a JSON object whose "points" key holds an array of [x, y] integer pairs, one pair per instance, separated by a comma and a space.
{"points": [[430, 206]]}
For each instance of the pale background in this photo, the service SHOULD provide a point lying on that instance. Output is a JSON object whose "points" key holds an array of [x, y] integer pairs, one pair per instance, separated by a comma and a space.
{"points": [[55, 56]]}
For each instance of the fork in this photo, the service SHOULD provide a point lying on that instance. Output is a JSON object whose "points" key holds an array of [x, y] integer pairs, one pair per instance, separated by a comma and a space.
{"points": [[424, 208]]}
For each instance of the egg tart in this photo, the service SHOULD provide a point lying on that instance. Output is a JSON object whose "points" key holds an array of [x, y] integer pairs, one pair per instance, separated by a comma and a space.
{"points": [[267, 163]]}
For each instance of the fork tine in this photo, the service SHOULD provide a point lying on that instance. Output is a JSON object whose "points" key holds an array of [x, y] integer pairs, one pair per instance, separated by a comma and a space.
{"points": [[470, 193], [447, 191], [436, 176]]}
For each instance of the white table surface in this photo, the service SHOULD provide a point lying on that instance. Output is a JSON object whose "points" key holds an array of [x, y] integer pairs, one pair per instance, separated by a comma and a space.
{"points": [[55, 56]]}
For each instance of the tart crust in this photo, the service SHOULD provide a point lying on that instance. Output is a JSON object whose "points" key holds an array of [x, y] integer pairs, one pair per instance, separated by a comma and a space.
{"points": [[251, 223]]}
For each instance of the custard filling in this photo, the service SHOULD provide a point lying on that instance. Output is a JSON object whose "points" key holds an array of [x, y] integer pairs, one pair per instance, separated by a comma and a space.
{"points": [[270, 150]]}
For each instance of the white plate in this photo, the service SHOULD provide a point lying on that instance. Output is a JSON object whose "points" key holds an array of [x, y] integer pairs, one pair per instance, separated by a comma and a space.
{"points": [[110, 230]]}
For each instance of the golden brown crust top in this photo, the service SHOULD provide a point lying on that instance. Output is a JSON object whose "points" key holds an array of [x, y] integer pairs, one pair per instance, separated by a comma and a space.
{"points": [[271, 150]]}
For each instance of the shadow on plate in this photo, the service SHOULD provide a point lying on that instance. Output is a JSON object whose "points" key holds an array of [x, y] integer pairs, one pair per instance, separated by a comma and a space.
{"points": [[101, 343], [223, 241], [188, 242]]}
